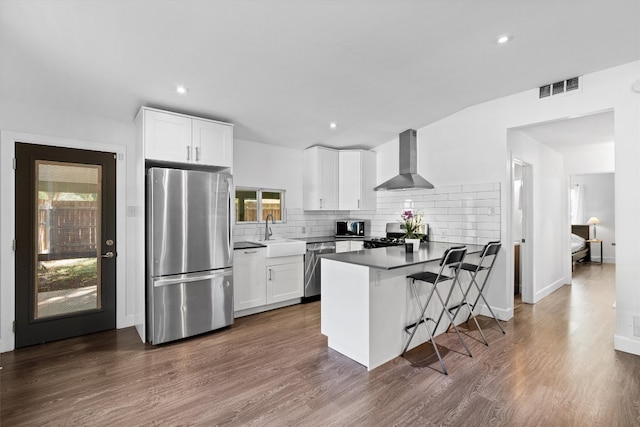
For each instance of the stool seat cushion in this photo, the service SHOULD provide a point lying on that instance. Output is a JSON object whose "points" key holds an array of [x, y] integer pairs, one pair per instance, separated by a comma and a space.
{"points": [[471, 267], [429, 277]]}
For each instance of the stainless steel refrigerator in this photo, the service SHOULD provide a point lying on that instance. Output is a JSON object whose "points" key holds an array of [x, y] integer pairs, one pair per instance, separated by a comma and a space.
{"points": [[189, 253]]}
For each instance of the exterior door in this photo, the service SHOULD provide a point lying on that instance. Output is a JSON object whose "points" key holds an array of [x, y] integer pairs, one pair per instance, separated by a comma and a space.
{"points": [[65, 243]]}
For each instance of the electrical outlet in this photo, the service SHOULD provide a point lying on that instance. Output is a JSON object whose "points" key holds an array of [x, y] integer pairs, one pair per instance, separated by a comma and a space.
{"points": [[304, 230]]}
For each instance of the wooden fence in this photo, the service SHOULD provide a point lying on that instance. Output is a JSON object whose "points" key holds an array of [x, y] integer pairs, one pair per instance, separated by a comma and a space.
{"points": [[67, 229], [251, 211]]}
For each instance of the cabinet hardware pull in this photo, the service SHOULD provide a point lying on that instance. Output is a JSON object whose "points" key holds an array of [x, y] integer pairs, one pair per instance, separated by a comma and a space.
{"points": [[250, 252], [197, 154], [188, 153], [320, 203], [269, 274]]}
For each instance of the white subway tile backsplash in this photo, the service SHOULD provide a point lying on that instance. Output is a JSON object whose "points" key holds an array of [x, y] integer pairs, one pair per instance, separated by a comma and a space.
{"points": [[472, 188], [468, 214]]}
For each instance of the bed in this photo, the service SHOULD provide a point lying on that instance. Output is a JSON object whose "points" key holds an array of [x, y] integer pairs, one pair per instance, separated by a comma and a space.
{"points": [[579, 247]]}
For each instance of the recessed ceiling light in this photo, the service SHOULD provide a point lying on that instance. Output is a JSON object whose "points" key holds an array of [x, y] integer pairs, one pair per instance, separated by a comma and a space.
{"points": [[182, 90], [504, 39], [333, 125]]}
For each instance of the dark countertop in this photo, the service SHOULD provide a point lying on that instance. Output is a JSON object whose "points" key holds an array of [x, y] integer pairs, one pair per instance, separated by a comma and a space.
{"points": [[324, 239], [247, 245], [395, 256]]}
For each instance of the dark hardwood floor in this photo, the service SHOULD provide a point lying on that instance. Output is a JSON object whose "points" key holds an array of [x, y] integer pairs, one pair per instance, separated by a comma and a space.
{"points": [[556, 366]]}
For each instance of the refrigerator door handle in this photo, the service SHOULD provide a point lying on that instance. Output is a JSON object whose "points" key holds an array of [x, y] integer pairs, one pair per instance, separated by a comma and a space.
{"points": [[231, 219], [175, 280]]}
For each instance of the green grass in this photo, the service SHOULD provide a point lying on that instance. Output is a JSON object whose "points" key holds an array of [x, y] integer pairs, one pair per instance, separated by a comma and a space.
{"points": [[67, 274]]}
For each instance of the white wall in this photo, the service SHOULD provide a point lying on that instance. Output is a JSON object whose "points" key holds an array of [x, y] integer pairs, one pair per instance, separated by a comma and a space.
{"points": [[599, 201], [598, 158]]}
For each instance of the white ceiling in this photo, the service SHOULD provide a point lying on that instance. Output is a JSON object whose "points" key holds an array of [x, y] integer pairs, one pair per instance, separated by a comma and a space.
{"points": [[281, 70]]}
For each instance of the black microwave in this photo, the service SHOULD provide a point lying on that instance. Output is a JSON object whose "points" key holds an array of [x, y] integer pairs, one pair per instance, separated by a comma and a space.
{"points": [[350, 228]]}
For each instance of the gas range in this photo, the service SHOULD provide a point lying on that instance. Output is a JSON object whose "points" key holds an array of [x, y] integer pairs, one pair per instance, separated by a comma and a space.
{"points": [[381, 242], [394, 237]]}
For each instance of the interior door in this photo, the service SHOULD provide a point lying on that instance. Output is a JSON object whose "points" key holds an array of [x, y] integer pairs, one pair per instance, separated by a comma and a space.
{"points": [[65, 243]]}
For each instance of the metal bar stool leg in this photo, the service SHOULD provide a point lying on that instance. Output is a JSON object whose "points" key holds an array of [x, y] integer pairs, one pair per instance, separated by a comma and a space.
{"points": [[446, 311], [481, 295], [424, 320], [491, 249], [465, 301]]}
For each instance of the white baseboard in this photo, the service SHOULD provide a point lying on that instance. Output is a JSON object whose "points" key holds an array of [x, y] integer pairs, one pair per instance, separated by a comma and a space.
{"points": [[626, 344], [542, 293], [503, 314]]}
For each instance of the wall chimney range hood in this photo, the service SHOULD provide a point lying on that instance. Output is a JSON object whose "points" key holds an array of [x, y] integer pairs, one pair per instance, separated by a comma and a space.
{"points": [[408, 178]]}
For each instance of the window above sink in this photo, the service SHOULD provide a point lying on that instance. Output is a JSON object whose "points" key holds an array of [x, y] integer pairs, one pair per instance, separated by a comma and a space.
{"points": [[254, 204]]}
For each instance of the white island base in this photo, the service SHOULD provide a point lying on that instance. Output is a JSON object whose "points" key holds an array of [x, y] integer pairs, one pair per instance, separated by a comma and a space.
{"points": [[364, 310]]}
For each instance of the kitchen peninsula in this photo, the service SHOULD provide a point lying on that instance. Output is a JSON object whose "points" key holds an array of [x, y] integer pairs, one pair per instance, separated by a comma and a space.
{"points": [[366, 302]]}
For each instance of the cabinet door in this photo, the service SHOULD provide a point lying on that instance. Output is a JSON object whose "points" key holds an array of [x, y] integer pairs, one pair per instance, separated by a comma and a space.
{"points": [[349, 174], [249, 285], [284, 282], [328, 160], [343, 246], [368, 199], [357, 245], [167, 137], [212, 143], [320, 179]]}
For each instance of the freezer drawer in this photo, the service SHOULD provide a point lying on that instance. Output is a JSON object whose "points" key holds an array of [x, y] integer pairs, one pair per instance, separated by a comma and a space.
{"points": [[189, 304]]}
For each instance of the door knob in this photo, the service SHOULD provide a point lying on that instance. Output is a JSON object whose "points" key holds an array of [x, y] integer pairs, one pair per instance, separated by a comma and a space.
{"points": [[108, 255]]}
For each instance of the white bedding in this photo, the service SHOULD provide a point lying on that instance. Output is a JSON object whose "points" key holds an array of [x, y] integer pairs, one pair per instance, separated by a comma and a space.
{"points": [[577, 243]]}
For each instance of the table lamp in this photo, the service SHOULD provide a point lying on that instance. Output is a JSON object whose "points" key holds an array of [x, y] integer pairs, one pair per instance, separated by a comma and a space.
{"points": [[593, 221]]}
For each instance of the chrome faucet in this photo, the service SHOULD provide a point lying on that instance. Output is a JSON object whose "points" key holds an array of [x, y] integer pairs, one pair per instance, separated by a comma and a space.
{"points": [[267, 230]]}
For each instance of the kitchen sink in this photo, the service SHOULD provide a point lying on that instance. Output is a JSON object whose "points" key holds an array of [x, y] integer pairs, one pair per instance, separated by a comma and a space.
{"points": [[284, 247]]}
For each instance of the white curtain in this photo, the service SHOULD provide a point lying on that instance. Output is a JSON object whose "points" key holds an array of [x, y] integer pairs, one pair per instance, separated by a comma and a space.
{"points": [[577, 204]]}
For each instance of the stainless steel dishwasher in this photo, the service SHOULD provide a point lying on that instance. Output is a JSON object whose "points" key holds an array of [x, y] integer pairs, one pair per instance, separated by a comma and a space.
{"points": [[312, 268]]}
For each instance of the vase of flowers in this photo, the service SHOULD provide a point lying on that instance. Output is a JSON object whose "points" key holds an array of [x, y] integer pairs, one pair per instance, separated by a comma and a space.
{"points": [[412, 224]]}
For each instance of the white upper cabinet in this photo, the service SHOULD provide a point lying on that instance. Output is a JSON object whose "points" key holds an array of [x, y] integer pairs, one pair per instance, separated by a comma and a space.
{"points": [[166, 136], [212, 143], [339, 179], [357, 176], [320, 178], [173, 137]]}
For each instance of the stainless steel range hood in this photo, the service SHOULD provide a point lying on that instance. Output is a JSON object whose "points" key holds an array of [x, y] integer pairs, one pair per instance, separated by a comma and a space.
{"points": [[408, 178]]}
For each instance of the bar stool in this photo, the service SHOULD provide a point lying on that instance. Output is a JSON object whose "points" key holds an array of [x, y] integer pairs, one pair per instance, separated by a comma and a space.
{"points": [[490, 249], [451, 260]]}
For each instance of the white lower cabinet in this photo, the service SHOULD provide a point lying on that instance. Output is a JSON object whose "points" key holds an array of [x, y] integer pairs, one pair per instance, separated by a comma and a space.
{"points": [[261, 283], [249, 281], [285, 278], [349, 245]]}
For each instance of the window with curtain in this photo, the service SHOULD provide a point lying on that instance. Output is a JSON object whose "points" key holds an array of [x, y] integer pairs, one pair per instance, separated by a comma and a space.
{"points": [[577, 204]]}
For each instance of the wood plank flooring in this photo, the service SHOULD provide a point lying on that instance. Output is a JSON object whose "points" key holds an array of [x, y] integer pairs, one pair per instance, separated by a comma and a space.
{"points": [[555, 367]]}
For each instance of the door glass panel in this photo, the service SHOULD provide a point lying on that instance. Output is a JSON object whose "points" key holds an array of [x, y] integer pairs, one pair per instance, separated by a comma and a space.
{"points": [[67, 232]]}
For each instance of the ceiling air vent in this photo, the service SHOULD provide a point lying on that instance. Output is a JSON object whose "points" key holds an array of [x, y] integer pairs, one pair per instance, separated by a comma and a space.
{"points": [[563, 87]]}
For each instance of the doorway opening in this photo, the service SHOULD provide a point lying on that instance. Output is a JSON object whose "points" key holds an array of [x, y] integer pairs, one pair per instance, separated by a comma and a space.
{"points": [[521, 214]]}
